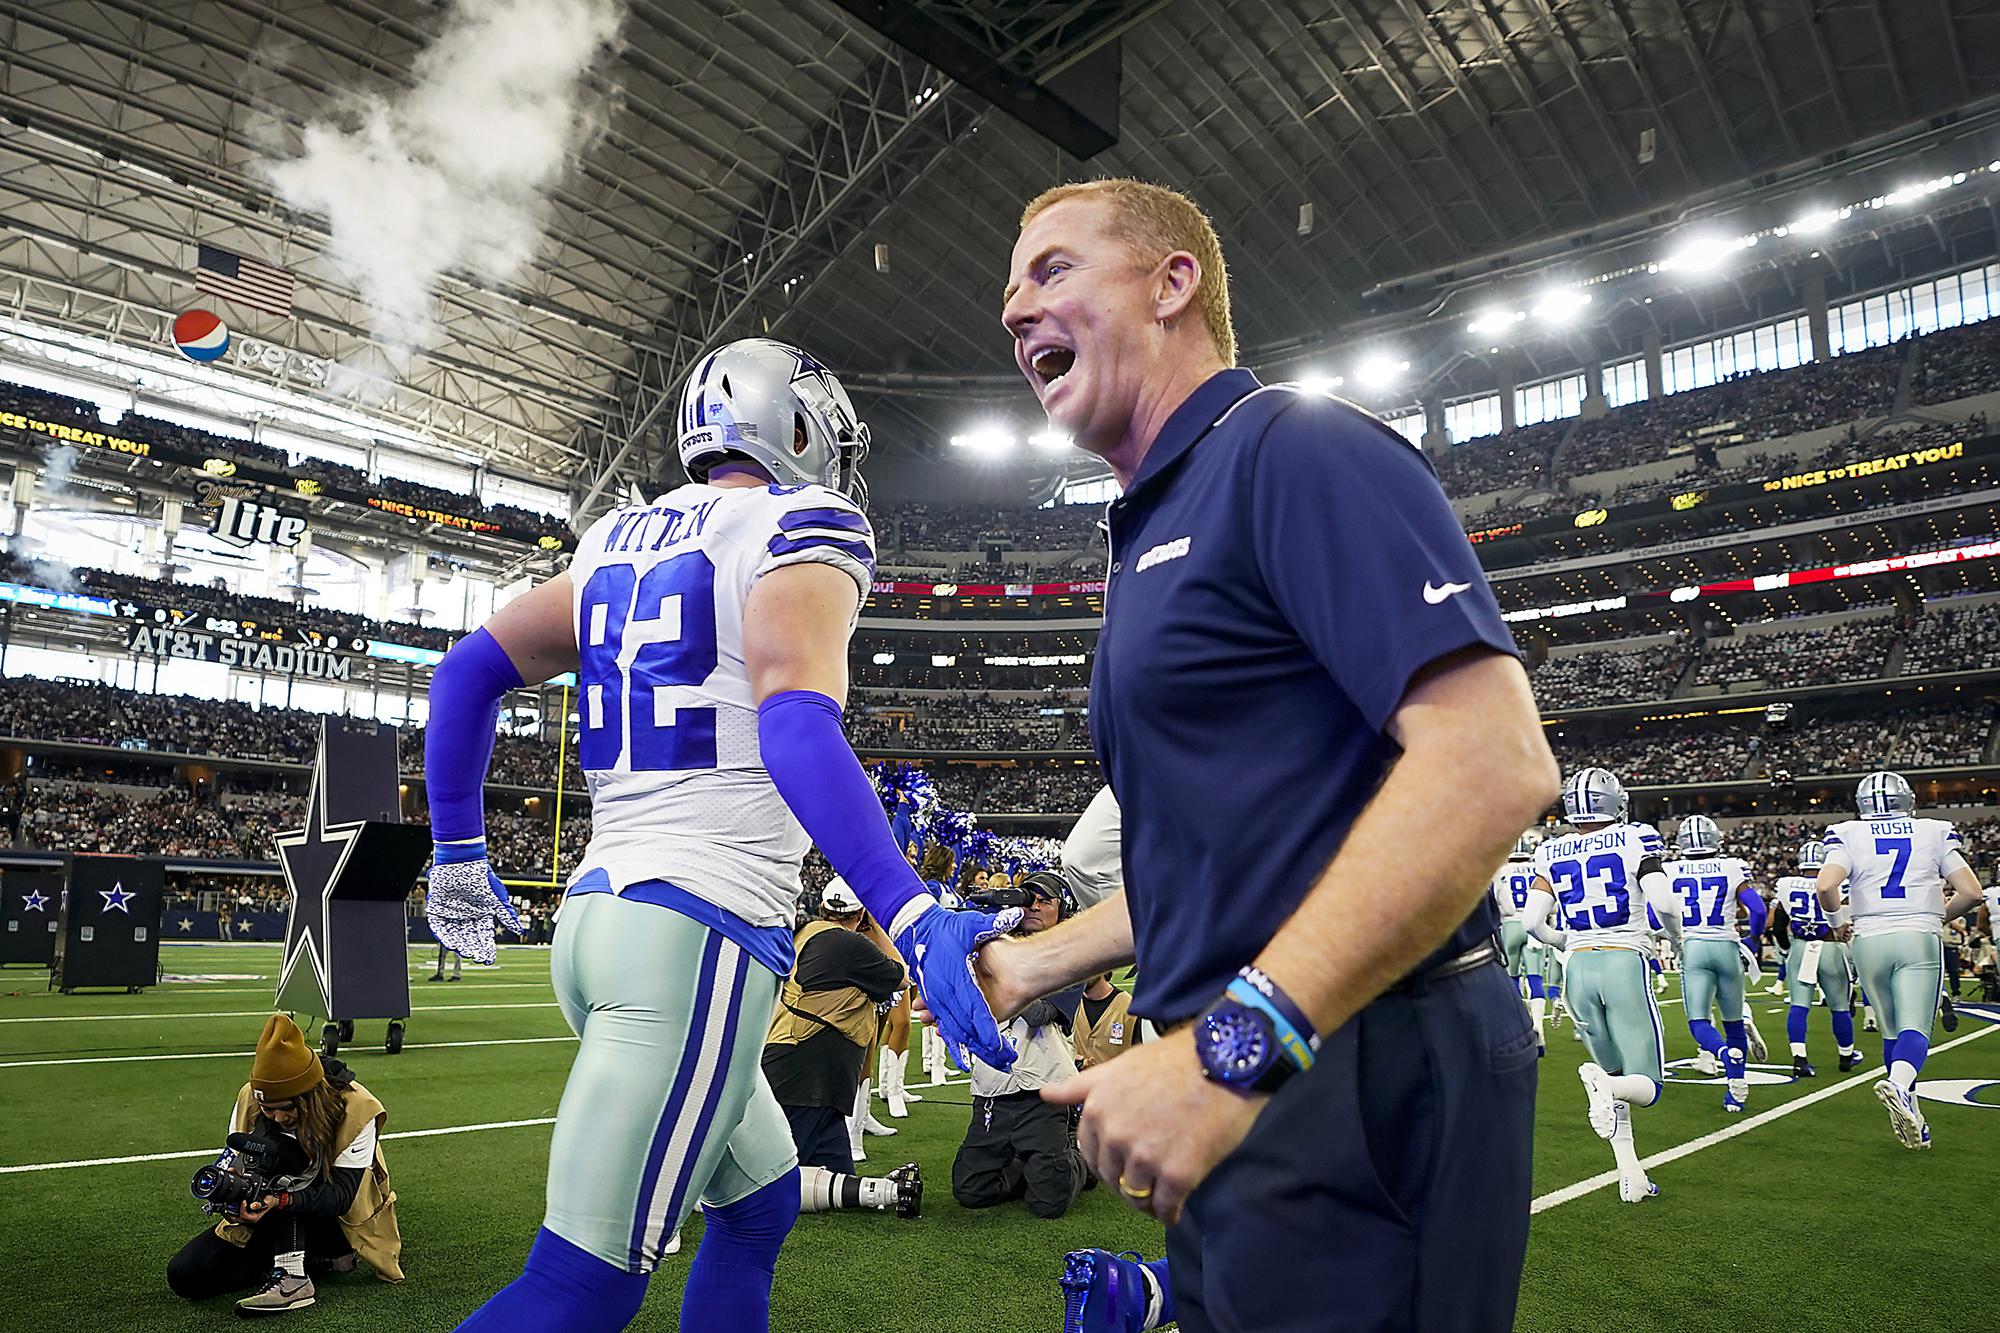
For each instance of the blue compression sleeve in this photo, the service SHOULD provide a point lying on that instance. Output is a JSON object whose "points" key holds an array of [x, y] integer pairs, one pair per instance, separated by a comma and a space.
{"points": [[1760, 912], [815, 770], [466, 689]]}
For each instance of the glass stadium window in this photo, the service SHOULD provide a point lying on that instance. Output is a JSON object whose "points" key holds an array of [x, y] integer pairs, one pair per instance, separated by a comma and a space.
{"points": [[497, 490], [1470, 418], [1550, 400], [1408, 424], [455, 478], [1100, 490], [1625, 382]]}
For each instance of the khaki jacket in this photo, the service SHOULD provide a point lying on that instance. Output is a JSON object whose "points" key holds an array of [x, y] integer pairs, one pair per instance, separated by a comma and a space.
{"points": [[370, 1221], [1112, 1034]]}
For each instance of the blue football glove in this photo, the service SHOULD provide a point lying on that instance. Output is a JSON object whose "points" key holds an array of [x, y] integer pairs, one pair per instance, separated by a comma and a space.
{"points": [[465, 898], [938, 946]]}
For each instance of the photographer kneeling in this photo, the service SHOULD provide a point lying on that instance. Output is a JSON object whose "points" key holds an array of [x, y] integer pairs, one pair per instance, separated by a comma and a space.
{"points": [[302, 1187], [1019, 1146]]}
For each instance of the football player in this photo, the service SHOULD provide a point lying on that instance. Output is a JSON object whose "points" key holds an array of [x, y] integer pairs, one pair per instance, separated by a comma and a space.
{"points": [[1511, 883], [709, 634], [1897, 868], [1711, 887], [1608, 873], [1815, 958]]}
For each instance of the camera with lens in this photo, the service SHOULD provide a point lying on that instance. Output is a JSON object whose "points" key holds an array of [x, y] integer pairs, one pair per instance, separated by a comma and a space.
{"points": [[253, 1167], [1032, 889]]}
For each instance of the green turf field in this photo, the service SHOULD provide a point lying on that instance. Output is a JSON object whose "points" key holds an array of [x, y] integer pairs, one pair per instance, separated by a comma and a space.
{"points": [[1814, 1215]]}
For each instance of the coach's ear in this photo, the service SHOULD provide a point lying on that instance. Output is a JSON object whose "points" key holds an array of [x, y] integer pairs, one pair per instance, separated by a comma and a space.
{"points": [[1178, 277]]}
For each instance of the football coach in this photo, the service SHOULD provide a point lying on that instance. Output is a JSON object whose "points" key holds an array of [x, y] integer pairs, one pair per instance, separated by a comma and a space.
{"points": [[1323, 744]]}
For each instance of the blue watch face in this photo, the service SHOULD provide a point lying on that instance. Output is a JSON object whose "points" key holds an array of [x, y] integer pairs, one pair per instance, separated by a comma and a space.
{"points": [[1238, 1045]]}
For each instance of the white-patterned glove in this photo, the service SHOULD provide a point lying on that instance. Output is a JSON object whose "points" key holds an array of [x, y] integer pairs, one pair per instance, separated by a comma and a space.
{"points": [[465, 898]]}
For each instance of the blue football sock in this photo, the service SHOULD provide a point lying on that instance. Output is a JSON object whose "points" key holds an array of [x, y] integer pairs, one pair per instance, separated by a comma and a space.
{"points": [[729, 1283], [1739, 1034], [1534, 985], [1781, 970], [563, 1289], [1912, 1048], [1705, 1035], [1795, 1023], [1843, 1028], [1555, 990], [1158, 1268], [1888, 1054]]}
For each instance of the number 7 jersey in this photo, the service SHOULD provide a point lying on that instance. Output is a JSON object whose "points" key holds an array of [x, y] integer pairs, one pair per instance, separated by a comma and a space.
{"points": [[1896, 870], [1596, 881], [667, 723]]}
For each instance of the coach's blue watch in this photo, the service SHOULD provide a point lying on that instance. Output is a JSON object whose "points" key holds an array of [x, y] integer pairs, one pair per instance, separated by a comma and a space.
{"points": [[1254, 1038]]}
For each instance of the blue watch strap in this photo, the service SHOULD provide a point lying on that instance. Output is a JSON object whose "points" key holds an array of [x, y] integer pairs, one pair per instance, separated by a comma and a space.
{"points": [[1296, 1036]]}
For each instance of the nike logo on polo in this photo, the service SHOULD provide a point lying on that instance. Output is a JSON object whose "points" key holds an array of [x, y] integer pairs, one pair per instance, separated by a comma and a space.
{"points": [[1436, 595]]}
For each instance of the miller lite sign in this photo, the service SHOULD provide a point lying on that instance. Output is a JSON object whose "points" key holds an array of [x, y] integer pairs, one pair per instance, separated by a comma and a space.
{"points": [[242, 521]]}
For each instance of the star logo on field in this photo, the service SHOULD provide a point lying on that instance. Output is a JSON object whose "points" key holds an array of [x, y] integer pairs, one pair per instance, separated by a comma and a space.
{"points": [[34, 902], [117, 898]]}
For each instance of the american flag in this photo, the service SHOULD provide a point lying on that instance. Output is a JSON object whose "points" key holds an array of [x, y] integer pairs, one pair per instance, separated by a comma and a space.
{"points": [[239, 278]]}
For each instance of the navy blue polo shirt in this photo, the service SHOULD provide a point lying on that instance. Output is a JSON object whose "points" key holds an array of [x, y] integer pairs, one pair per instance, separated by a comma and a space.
{"points": [[1281, 567]]}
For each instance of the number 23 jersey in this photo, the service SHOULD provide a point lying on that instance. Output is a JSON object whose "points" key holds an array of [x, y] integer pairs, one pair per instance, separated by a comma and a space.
{"points": [[1596, 881], [1895, 871], [667, 723]]}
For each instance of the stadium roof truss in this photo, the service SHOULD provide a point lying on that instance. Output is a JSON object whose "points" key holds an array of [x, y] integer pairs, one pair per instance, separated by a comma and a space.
{"points": [[754, 153]]}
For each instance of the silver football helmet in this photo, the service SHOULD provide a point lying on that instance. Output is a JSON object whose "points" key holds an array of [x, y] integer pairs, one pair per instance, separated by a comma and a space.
{"points": [[1698, 835], [772, 403], [1812, 854], [1525, 845], [1594, 796], [1884, 795]]}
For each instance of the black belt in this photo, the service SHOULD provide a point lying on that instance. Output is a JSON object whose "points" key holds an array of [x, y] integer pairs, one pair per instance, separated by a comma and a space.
{"points": [[1486, 951]]}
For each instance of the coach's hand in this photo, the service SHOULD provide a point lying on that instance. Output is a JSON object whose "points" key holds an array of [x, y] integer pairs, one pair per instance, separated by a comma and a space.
{"points": [[465, 898], [938, 948], [1153, 1127]]}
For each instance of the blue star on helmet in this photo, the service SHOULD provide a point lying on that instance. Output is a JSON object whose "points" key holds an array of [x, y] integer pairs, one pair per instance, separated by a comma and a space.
{"points": [[116, 898], [34, 902], [811, 369]]}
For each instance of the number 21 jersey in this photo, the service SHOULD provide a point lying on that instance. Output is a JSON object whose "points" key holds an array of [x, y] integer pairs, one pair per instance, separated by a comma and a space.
{"points": [[1595, 876], [667, 723]]}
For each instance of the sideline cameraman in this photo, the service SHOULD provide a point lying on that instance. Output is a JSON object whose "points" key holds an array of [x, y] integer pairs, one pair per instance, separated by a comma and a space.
{"points": [[317, 1124], [1019, 1146]]}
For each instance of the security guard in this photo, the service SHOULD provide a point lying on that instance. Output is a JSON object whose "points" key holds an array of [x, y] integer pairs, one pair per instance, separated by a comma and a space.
{"points": [[1322, 745]]}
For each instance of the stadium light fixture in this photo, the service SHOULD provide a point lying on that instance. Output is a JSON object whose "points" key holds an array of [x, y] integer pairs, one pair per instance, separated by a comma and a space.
{"points": [[1819, 220], [1321, 384], [1702, 254], [1049, 441], [1379, 372], [1561, 305], [985, 440], [885, 659]]}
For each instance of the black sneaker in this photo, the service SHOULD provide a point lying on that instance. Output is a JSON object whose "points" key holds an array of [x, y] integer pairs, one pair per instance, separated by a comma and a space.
{"points": [[1802, 1068], [1949, 1014], [1850, 1060]]}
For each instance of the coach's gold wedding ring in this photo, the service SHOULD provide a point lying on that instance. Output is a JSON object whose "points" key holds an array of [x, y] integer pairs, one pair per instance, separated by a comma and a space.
{"points": [[1126, 1189]]}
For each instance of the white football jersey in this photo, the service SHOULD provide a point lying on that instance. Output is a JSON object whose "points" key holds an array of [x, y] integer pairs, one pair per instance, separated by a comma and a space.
{"points": [[1801, 900], [1596, 881], [1895, 871], [1707, 888], [668, 726], [1510, 888]]}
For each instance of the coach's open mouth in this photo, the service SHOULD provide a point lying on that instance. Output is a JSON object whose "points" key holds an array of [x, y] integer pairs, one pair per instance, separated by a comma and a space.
{"points": [[1052, 363]]}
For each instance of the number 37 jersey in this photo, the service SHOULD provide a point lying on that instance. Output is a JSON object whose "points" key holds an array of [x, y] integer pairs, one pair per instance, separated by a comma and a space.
{"points": [[1895, 871], [1596, 881], [667, 723]]}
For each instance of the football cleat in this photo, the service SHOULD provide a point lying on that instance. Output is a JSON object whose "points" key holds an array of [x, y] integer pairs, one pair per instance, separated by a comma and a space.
{"points": [[1802, 1068], [1603, 1106], [1759, 1052], [1636, 1188], [909, 1179], [1104, 1292], [1850, 1059], [1948, 1014], [1732, 1103], [1904, 1117], [1707, 1063], [1868, 1024]]}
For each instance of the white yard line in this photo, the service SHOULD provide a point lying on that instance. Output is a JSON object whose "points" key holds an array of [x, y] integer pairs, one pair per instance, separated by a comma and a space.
{"points": [[254, 1013], [1856, 1079], [245, 1055]]}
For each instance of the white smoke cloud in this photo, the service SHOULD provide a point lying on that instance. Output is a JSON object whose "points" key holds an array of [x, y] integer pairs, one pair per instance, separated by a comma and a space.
{"points": [[454, 171]]}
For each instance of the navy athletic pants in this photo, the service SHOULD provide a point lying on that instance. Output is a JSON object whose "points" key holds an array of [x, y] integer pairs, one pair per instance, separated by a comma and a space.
{"points": [[1387, 1190]]}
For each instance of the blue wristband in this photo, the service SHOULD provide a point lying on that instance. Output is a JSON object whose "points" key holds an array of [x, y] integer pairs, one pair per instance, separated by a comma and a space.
{"points": [[1295, 1031]]}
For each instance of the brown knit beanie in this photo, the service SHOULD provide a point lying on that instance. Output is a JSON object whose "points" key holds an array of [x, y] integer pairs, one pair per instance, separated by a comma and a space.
{"points": [[285, 1066]]}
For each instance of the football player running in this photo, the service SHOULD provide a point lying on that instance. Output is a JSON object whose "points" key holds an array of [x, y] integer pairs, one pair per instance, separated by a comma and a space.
{"points": [[1817, 957], [1511, 883], [709, 634], [1607, 874], [1711, 886], [1897, 869]]}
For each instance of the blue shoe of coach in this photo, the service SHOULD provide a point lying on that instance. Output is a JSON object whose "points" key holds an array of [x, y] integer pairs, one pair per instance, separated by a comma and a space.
{"points": [[1104, 1292]]}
